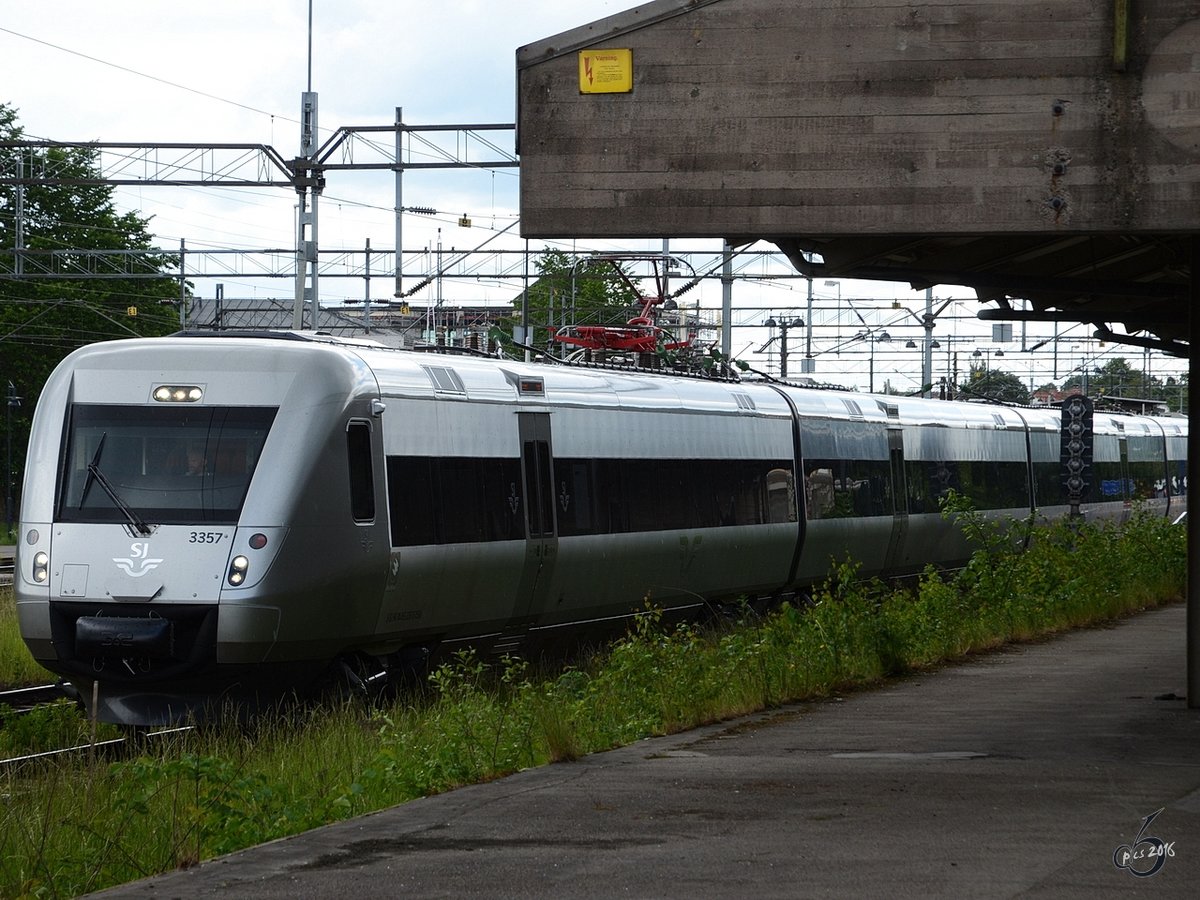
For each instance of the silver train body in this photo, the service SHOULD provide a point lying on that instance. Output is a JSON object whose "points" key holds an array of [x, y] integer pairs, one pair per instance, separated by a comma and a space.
{"points": [[208, 517]]}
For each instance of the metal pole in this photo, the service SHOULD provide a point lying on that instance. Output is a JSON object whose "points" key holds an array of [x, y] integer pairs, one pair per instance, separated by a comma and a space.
{"points": [[314, 301], [783, 330], [19, 235], [810, 323], [525, 337], [13, 400], [298, 304], [367, 288], [310, 7], [666, 272], [308, 148], [8, 511], [399, 290], [307, 182], [182, 285], [927, 357], [727, 298], [1193, 522]]}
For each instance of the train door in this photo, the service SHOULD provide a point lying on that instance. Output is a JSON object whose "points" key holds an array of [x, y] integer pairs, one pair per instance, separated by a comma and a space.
{"points": [[541, 544], [899, 499], [1126, 480]]}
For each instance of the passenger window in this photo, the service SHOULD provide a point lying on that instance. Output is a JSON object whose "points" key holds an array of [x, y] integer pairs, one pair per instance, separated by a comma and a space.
{"points": [[362, 476]]}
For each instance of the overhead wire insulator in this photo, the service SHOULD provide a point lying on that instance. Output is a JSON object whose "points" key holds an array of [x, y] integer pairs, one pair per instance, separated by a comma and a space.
{"points": [[687, 287], [413, 290]]}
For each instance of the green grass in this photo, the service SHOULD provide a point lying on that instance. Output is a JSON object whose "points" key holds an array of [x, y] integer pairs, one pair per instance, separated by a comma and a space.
{"points": [[17, 666], [74, 827]]}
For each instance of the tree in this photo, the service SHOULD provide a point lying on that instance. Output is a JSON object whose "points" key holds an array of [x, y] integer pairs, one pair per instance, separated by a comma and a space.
{"points": [[42, 319], [1117, 378], [583, 291], [994, 384], [1175, 392]]}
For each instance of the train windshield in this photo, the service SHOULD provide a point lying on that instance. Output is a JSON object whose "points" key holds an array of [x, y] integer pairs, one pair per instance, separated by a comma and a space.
{"points": [[168, 466]]}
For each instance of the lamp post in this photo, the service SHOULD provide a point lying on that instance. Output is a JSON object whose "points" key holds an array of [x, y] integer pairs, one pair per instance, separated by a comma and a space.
{"points": [[951, 362], [882, 338], [1083, 368], [927, 320], [981, 380], [783, 325], [808, 365], [885, 338], [838, 286], [935, 344]]}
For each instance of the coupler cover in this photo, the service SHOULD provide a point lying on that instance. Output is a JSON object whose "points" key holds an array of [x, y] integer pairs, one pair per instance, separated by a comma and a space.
{"points": [[124, 636]]}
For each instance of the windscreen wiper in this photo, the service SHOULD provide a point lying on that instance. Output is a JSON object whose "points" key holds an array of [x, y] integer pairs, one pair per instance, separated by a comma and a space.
{"points": [[97, 476], [87, 484], [135, 520]]}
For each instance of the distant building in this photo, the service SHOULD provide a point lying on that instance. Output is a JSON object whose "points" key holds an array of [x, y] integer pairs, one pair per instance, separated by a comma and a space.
{"points": [[1122, 404], [1049, 398], [393, 324]]}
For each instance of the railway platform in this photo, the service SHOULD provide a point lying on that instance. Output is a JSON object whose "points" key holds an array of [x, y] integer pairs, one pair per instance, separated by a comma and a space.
{"points": [[1033, 771]]}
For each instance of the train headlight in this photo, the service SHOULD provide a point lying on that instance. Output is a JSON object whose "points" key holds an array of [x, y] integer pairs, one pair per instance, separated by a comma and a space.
{"points": [[41, 567], [178, 393], [237, 570]]}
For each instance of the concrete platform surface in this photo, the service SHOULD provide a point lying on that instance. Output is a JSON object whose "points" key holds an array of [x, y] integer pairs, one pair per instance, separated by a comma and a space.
{"points": [[1015, 774]]}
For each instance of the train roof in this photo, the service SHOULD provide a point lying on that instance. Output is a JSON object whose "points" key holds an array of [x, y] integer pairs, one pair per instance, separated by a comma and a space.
{"points": [[417, 373]]}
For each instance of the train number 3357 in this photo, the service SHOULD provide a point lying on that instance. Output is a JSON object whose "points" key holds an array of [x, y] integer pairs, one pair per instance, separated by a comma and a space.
{"points": [[205, 537]]}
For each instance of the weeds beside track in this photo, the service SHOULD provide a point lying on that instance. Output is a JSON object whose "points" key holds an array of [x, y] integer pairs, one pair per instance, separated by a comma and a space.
{"points": [[76, 828]]}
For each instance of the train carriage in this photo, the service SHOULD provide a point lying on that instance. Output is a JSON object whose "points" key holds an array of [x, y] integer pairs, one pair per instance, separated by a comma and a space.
{"points": [[210, 517]]}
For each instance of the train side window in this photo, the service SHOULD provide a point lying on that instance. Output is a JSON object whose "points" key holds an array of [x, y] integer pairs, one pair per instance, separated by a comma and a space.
{"points": [[410, 500], [362, 474], [781, 496], [848, 488], [575, 496], [1048, 486], [1110, 480]]}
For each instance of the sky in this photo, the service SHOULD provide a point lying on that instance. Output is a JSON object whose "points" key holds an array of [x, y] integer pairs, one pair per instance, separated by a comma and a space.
{"points": [[233, 72]]}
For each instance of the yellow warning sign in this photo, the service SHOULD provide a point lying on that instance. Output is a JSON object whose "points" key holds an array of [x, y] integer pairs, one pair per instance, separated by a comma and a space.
{"points": [[605, 71]]}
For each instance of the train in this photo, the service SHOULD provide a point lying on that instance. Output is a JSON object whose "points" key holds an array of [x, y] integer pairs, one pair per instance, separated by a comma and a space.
{"points": [[210, 518]]}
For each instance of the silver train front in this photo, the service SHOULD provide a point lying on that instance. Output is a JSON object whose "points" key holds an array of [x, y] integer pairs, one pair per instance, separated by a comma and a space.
{"points": [[208, 518]]}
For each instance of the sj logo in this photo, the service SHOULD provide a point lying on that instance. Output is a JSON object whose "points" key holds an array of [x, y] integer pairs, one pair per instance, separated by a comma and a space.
{"points": [[139, 561]]}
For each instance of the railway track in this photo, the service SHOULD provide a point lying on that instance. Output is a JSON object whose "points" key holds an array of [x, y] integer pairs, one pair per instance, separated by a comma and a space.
{"points": [[107, 749], [26, 700], [23, 699]]}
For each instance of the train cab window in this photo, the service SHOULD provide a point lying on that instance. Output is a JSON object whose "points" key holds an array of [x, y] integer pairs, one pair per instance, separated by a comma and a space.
{"points": [[167, 466], [362, 474]]}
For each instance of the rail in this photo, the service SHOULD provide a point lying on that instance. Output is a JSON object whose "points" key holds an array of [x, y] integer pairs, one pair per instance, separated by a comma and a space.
{"points": [[108, 749], [29, 697]]}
